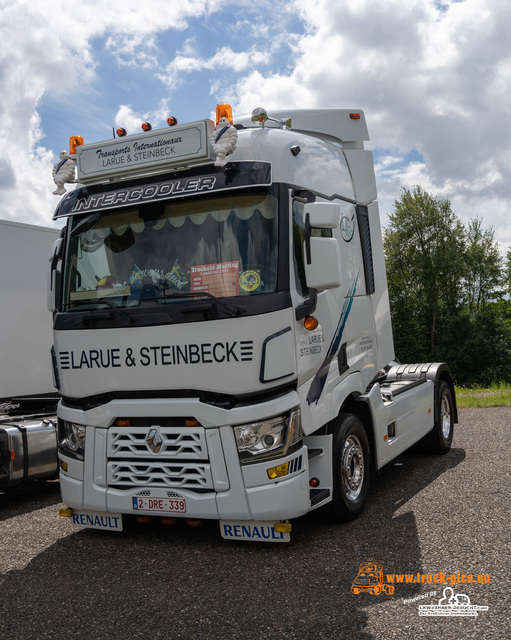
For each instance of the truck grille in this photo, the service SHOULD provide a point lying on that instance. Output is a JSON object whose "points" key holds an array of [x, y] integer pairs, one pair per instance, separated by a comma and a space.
{"points": [[178, 443], [179, 460], [159, 474]]}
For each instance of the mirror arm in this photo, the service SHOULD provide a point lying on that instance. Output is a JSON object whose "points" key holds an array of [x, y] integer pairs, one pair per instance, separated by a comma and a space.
{"points": [[308, 306]]}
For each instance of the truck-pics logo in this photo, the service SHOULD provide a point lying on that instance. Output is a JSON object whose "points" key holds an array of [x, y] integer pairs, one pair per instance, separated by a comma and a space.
{"points": [[370, 579]]}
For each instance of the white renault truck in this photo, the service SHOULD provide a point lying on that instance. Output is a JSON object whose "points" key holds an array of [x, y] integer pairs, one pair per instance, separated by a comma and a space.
{"points": [[222, 333]]}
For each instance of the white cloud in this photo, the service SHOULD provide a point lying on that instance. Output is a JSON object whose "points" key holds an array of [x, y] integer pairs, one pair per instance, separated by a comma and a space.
{"points": [[48, 49], [430, 78], [433, 78]]}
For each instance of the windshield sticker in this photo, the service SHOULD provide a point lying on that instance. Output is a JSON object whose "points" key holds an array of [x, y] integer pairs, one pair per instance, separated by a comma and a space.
{"points": [[175, 277], [250, 280], [220, 279]]}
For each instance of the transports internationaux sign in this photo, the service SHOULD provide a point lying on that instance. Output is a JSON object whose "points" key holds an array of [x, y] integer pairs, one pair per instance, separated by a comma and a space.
{"points": [[178, 145]]}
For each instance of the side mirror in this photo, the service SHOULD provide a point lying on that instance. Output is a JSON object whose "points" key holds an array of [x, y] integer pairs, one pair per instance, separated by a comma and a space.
{"points": [[324, 270], [323, 215], [322, 255]]}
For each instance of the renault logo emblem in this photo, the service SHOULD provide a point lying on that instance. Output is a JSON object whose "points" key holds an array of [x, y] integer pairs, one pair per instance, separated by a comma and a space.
{"points": [[154, 441]]}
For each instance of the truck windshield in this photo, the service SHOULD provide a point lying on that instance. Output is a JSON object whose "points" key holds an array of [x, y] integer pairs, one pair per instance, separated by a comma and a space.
{"points": [[157, 253]]}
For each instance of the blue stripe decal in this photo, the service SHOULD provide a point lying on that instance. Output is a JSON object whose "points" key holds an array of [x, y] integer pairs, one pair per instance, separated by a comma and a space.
{"points": [[318, 383]]}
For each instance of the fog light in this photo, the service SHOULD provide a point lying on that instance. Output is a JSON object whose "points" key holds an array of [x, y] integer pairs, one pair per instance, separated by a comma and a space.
{"points": [[278, 472]]}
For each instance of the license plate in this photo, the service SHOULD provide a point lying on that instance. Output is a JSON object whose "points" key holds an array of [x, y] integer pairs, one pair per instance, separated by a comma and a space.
{"points": [[97, 520], [161, 505], [252, 531]]}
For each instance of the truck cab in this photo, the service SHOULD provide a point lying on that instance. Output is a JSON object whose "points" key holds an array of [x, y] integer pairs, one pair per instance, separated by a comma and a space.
{"points": [[222, 332]]}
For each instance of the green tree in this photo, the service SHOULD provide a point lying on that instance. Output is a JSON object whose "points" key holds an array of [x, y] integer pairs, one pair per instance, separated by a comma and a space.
{"points": [[484, 278], [507, 272], [425, 253], [477, 346]]}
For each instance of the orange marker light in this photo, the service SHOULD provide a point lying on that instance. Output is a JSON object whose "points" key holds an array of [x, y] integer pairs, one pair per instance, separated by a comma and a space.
{"points": [[121, 132], [193, 523], [143, 519], [355, 116], [171, 121], [75, 141], [122, 422], [191, 422], [310, 323], [223, 111], [146, 126]]}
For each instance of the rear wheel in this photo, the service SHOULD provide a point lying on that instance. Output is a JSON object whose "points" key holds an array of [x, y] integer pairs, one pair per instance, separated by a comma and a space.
{"points": [[351, 461], [439, 440]]}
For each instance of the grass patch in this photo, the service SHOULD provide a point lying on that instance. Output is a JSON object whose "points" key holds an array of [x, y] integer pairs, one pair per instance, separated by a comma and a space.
{"points": [[497, 395]]}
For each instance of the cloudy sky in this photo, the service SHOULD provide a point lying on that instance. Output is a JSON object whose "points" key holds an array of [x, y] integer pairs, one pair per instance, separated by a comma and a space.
{"points": [[434, 78]]}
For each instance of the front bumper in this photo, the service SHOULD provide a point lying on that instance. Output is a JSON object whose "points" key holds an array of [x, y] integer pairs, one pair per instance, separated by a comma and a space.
{"points": [[206, 474]]}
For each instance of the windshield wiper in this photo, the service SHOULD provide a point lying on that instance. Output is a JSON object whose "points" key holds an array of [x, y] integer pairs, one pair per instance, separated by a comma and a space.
{"points": [[233, 310], [98, 315]]}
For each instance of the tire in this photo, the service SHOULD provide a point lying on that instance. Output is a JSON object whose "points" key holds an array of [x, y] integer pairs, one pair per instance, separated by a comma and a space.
{"points": [[439, 440], [350, 466]]}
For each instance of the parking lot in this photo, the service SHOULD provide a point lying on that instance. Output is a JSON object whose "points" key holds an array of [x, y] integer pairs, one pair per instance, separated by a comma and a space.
{"points": [[429, 518]]}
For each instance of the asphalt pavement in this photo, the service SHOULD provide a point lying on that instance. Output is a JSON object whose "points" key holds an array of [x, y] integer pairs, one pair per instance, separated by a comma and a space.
{"points": [[433, 519]]}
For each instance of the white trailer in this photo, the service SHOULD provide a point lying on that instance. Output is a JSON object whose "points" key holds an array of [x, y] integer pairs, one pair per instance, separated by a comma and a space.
{"points": [[26, 328], [28, 442], [222, 332]]}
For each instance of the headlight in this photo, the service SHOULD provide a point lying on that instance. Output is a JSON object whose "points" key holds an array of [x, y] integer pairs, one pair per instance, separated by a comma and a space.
{"points": [[72, 437], [268, 438]]}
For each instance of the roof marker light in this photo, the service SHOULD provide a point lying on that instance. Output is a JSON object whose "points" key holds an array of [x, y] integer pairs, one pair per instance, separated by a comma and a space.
{"points": [[223, 111], [146, 126], [355, 116], [171, 121], [121, 132]]}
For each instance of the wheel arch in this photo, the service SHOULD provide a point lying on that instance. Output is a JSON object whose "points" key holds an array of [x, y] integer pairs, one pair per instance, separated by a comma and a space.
{"points": [[351, 404]]}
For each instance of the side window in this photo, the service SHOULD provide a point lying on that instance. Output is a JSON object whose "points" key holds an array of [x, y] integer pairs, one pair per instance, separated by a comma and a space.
{"points": [[298, 240]]}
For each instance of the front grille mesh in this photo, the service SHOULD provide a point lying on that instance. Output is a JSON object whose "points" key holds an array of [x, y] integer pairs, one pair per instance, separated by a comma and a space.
{"points": [[181, 461], [178, 442], [159, 474]]}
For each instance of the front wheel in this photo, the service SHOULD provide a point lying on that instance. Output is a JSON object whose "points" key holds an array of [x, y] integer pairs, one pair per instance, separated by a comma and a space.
{"points": [[351, 462]]}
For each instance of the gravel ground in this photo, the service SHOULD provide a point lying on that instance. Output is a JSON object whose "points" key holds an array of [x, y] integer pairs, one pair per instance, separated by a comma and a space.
{"points": [[424, 515]]}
